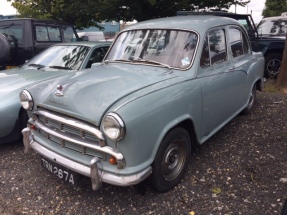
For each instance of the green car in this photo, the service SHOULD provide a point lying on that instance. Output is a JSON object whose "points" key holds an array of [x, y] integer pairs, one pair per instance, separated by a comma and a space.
{"points": [[55, 61], [164, 85]]}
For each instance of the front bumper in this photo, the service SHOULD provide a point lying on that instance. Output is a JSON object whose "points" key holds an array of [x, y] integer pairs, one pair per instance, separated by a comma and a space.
{"points": [[93, 171]]}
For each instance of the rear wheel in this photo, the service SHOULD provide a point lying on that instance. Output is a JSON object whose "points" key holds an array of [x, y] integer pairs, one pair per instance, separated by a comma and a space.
{"points": [[251, 102], [272, 65], [5, 48], [171, 160]]}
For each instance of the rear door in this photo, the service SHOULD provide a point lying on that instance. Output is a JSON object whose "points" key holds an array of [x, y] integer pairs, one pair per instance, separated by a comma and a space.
{"points": [[219, 81], [240, 54]]}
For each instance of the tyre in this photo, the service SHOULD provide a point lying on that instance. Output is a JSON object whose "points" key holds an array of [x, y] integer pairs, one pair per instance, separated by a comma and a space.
{"points": [[7, 47], [251, 102], [23, 119], [171, 160], [272, 65]]}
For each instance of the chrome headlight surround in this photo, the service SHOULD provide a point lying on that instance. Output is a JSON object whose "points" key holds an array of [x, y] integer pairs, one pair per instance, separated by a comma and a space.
{"points": [[114, 127], [26, 100]]}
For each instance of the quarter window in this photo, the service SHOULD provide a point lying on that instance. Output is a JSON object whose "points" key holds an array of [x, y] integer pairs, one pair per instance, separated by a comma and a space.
{"points": [[214, 48]]}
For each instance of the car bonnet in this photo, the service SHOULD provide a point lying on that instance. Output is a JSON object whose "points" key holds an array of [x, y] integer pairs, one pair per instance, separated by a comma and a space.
{"points": [[17, 79], [89, 95]]}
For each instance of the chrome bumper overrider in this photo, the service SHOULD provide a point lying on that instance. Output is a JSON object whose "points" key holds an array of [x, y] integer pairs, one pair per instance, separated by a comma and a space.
{"points": [[93, 171]]}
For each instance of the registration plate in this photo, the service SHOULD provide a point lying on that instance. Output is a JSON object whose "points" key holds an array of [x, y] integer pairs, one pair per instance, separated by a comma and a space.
{"points": [[11, 67], [61, 172]]}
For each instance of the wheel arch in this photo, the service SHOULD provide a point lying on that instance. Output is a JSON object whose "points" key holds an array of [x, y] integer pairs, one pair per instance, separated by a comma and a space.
{"points": [[21, 116], [259, 84], [272, 51], [188, 125]]}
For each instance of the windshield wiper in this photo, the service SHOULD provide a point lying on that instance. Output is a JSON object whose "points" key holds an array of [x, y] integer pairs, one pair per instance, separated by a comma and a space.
{"points": [[60, 67], [153, 62], [39, 66], [139, 60], [118, 60]]}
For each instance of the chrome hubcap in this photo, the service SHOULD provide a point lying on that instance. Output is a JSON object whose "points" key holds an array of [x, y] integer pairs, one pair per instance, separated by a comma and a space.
{"points": [[273, 67], [173, 160]]}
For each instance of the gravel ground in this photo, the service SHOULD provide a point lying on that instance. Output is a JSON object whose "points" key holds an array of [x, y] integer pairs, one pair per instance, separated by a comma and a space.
{"points": [[240, 170]]}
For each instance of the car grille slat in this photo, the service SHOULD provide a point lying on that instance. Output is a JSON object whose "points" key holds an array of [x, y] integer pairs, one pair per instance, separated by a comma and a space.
{"points": [[69, 130]]}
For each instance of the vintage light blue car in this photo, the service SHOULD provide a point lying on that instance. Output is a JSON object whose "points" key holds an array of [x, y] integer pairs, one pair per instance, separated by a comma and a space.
{"points": [[164, 85], [56, 61]]}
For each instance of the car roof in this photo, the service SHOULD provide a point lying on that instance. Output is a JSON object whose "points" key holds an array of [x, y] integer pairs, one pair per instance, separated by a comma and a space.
{"points": [[86, 43], [197, 23], [275, 18], [36, 20]]}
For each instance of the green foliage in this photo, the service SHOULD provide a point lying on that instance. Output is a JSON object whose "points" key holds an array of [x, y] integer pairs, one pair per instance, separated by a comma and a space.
{"points": [[79, 13], [87, 13], [274, 8], [128, 10]]}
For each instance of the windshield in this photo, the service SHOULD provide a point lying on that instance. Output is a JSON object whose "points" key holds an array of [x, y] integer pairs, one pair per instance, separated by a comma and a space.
{"points": [[272, 27], [66, 57], [172, 48]]}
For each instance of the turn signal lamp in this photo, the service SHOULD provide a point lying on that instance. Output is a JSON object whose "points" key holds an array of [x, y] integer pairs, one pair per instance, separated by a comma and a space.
{"points": [[113, 160]]}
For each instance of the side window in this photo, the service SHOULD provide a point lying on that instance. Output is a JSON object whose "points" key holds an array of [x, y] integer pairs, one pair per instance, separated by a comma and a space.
{"points": [[97, 56], [237, 42], [13, 30], [69, 35], [54, 34], [46, 34], [41, 34], [214, 48]]}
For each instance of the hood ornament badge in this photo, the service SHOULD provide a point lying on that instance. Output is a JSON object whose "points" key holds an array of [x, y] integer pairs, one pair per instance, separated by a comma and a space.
{"points": [[62, 88]]}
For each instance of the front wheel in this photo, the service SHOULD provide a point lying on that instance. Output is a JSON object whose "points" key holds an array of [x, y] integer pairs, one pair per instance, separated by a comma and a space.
{"points": [[23, 119], [171, 160], [251, 102]]}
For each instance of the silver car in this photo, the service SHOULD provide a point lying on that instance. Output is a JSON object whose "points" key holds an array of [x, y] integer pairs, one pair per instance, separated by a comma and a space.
{"points": [[138, 114]]}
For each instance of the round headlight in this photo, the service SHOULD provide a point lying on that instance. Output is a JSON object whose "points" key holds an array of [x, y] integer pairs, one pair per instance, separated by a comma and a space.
{"points": [[114, 127], [26, 100]]}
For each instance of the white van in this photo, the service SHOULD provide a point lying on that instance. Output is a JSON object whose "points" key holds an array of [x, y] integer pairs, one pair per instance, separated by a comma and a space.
{"points": [[91, 36]]}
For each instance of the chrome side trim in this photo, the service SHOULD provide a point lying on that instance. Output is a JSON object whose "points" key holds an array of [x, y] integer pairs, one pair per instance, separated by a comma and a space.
{"points": [[75, 123], [82, 142], [94, 172]]}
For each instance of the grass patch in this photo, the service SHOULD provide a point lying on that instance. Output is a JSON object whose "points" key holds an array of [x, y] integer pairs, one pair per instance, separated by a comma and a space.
{"points": [[269, 86]]}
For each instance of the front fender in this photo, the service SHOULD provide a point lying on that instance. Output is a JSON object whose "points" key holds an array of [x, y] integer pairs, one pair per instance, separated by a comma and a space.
{"points": [[9, 113], [148, 119]]}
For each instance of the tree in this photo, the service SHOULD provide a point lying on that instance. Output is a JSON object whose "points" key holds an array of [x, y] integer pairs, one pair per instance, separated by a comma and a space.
{"points": [[274, 8], [128, 10], [87, 13], [281, 82], [79, 13]]}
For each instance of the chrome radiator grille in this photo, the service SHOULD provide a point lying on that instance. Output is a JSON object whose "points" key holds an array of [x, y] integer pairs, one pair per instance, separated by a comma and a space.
{"points": [[53, 127]]}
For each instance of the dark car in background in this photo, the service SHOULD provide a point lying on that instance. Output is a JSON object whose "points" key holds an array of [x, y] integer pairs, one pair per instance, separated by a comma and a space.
{"points": [[23, 38], [272, 33]]}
